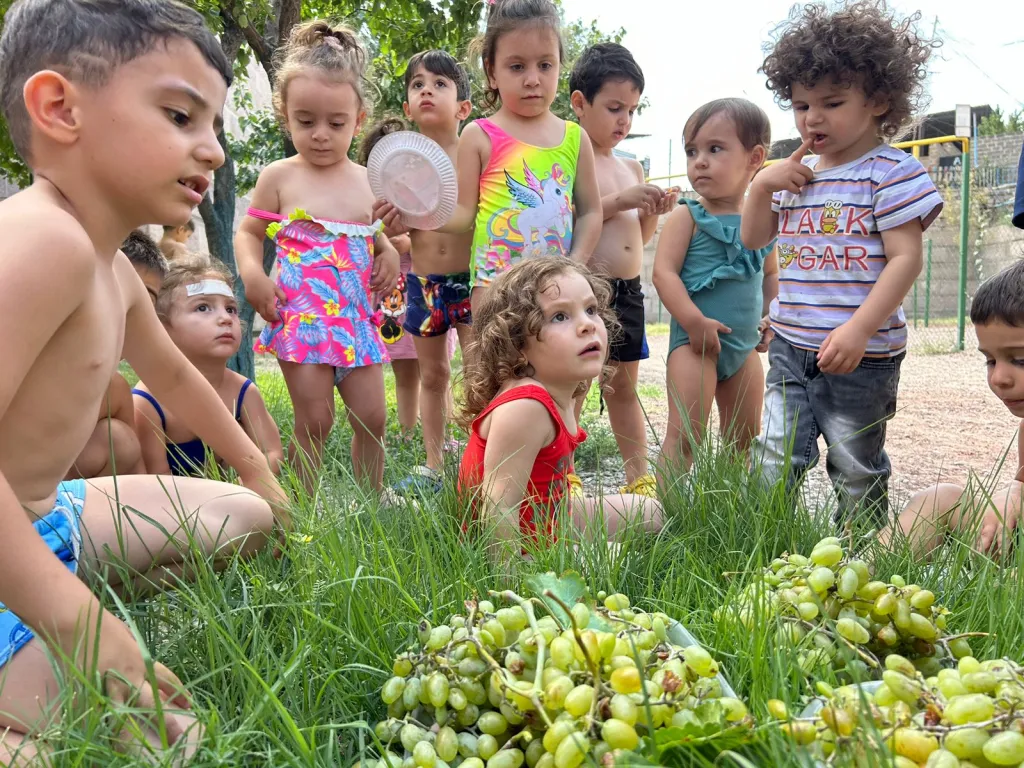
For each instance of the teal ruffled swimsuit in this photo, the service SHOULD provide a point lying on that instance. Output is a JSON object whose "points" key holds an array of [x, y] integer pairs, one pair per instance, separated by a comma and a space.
{"points": [[724, 280]]}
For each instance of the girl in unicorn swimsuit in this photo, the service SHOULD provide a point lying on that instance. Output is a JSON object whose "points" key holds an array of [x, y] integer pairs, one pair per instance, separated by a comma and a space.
{"points": [[322, 321], [527, 181]]}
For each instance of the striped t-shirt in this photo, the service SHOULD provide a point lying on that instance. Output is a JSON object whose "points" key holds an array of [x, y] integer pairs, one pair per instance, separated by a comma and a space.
{"points": [[830, 244]]}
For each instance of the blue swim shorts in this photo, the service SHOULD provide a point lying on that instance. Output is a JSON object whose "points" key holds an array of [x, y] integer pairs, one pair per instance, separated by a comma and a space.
{"points": [[61, 529]]}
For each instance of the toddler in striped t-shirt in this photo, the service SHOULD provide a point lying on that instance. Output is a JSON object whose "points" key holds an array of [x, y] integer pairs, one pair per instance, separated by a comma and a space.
{"points": [[849, 220]]}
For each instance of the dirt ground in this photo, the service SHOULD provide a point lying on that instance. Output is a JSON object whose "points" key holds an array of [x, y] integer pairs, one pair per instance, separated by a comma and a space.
{"points": [[948, 422]]}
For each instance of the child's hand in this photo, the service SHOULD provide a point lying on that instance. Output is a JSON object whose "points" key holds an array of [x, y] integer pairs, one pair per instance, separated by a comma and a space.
{"points": [[787, 175], [669, 200], [643, 197], [391, 218], [263, 293], [402, 243], [704, 339], [386, 269], [843, 349], [767, 334], [119, 661]]}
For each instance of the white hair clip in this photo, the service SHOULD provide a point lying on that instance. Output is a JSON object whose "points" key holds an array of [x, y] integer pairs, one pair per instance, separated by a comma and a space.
{"points": [[210, 288]]}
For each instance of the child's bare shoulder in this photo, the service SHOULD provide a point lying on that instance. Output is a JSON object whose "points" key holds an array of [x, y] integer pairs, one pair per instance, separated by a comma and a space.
{"points": [[44, 242]]}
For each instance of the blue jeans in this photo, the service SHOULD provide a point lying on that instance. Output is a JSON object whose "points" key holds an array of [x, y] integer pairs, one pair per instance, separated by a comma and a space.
{"points": [[851, 412]]}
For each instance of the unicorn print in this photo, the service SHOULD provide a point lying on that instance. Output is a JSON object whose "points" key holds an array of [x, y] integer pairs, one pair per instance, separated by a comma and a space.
{"points": [[545, 205]]}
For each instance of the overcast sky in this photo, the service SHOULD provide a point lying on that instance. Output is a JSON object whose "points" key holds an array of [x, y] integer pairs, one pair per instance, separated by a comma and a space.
{"points": [[714, 50]]}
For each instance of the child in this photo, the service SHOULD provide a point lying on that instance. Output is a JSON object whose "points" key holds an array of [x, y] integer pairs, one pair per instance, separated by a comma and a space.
{"points": [[109, 152], [113, 448], [404, 363], [849, 222], [523, 173], [198, 308], [716, 290], [997, 313], [539, 336], [320, 312], [437, 101], [172, 244], [606, 85]]}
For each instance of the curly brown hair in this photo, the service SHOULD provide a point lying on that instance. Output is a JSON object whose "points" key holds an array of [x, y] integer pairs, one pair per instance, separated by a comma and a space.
{"points": [[509, 315], [861, 43]]}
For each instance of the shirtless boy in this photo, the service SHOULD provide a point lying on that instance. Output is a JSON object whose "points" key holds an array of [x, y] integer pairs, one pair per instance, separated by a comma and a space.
{"points": [[172, 244], [115, 105], [437, 101], [114, 448], [606, 86]]}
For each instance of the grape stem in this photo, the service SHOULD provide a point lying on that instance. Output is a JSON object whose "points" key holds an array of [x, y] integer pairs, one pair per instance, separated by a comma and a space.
{"points": [[595, 669], [527, 607], [869, 658]]}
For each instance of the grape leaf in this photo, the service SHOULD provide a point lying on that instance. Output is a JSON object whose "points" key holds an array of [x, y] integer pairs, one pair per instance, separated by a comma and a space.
{"points": [[707, 726], [570, 589]]}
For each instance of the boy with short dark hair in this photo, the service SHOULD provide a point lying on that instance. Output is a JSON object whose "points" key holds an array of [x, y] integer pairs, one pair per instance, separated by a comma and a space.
{"points": [[851, 219], [172, 243], [115, 105], [113, 448], [438, 285], [606, 85], [997, 314]]}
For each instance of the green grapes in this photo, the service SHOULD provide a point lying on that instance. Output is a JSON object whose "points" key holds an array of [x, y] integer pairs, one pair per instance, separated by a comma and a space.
{"points": [[506, 688]]}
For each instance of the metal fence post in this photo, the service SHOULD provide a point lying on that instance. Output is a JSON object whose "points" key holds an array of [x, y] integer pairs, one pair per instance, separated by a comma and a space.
{"points": [[965, 222], [928, 283]]}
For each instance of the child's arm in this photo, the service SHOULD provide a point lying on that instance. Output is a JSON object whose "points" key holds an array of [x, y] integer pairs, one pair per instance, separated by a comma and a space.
{"points": [[513, 442], [760, 224], [668, 263], [47, 254], [261, 428], [386, 266], [151, 437], [184, 391], [260, 290], [843, 348], [586, 196], [473, 145], [769, 291]]}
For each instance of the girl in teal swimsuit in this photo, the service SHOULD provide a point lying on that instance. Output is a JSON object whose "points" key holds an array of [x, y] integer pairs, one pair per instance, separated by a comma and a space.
{"points": [[716, 290], [198, 308]]}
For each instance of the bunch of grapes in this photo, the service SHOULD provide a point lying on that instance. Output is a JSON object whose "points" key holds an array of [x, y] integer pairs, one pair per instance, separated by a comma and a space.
{"points": [[968, 717], [835, 613], [502, 688]]}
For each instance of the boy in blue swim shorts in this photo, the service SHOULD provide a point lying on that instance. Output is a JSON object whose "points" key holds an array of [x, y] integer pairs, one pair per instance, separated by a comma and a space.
{"points": [[115, 105]]}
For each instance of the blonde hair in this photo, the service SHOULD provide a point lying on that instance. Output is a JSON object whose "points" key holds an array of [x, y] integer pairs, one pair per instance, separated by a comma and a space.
{"points": [[509, 315], [335, 51], [186, 271]]}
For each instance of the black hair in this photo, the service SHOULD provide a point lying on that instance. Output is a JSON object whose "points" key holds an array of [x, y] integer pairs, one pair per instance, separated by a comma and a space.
{"points": [[441, 63], [86, 40], [1001, 298], [602, 63], [144, 253]]}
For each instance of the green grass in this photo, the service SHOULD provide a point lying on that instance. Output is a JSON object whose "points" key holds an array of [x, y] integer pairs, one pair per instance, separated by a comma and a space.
{"points": [[286, 658]]}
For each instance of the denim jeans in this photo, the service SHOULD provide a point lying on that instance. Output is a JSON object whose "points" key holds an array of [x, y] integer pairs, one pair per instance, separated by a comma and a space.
{"points": [[851, 412]]}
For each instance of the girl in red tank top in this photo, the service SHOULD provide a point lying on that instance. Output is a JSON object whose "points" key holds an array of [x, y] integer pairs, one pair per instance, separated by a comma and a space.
{"points": [[540, 335]]}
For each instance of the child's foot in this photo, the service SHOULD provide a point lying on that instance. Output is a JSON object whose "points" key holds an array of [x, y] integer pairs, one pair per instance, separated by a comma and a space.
{"points": [[421, 481], [645, 485]]}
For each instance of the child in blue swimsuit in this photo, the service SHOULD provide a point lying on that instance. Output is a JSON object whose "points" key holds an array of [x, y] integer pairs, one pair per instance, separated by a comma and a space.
{"points": [[199, 310], [717, 291]]}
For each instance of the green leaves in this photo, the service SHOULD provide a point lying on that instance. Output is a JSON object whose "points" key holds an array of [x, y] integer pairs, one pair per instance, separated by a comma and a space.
{"points": [[570, 589]]}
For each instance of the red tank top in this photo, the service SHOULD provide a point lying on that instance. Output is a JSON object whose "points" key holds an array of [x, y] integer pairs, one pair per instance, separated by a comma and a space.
{"points": [[547, 484]]}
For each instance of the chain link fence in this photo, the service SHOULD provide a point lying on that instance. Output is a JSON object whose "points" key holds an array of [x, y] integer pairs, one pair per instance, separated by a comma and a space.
{"points": [[932, 306]]}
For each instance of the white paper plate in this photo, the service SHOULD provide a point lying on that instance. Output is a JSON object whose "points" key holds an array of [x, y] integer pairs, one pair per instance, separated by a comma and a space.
{"points": [[415, 175]]}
